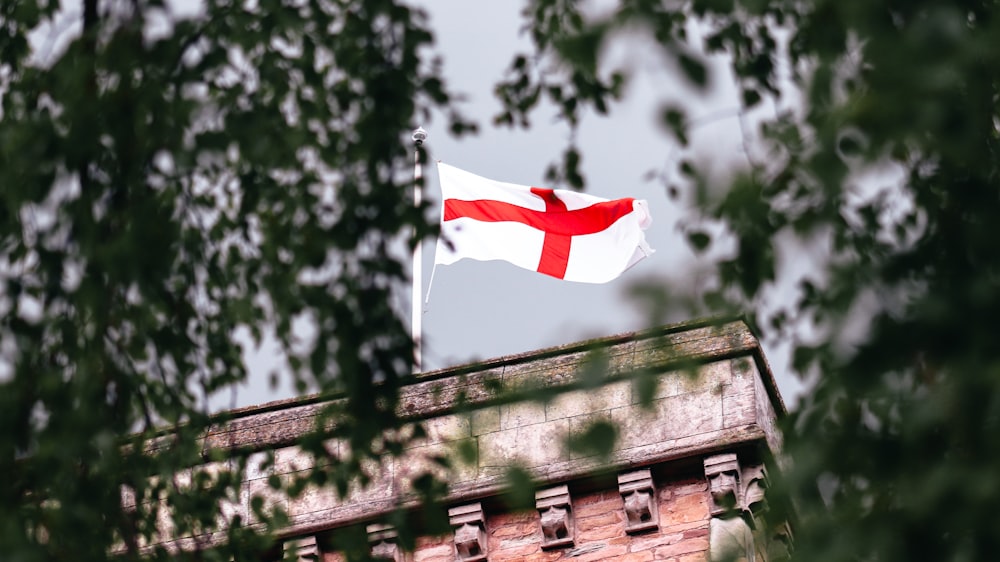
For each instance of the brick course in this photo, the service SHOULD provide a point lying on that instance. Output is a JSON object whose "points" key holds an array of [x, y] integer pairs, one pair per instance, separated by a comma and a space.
{"points": [[714, 394], [599, 522]]}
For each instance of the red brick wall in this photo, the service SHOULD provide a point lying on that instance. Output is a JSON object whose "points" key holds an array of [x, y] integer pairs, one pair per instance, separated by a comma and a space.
{"points": [[600, 531], [434, 549]]}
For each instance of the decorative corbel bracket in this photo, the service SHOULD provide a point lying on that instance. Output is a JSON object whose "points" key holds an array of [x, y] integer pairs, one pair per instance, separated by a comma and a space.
{"points": [[723, 474], [553, 505], [302, 549], [735, 489], [737, 500], [382, 539], [639, 495], [469, 523], [754, 495]]}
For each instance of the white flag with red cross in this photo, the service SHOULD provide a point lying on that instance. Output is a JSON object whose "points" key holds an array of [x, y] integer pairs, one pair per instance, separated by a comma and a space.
{"points": [[565, 234]]}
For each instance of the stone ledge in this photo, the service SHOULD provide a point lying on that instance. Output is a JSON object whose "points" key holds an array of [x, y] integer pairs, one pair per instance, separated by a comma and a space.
{"points": [[434, 394], [733, 403]]}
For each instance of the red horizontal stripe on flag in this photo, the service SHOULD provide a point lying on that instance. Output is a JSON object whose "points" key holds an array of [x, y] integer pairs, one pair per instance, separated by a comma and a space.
{"points": [[558, 223], [555, 247], [588, 220]]}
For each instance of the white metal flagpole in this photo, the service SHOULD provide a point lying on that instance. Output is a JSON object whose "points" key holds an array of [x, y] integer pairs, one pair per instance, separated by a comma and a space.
{"points": [[419, 136]]}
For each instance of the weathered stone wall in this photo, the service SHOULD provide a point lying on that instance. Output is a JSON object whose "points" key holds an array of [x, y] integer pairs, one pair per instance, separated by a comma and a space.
{"points": [[713, 393], [717, 408]]}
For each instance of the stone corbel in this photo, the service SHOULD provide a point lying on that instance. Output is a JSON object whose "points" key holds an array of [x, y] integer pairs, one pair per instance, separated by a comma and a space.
{"points": [[754, 496], [735, 489], [723, 474], [302, 549], [639, 496], [382, 539], [469, 523], [553, 505], [737, 500]]}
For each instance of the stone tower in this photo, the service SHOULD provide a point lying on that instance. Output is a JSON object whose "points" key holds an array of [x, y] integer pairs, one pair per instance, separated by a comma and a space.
{"points": [[685, 480]]}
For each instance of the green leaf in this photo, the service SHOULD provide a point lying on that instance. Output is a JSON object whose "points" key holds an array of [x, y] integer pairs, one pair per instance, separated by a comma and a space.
{"points": [[693, 69], [676, 121], [699, 240], [597, 439], [519, 491]]}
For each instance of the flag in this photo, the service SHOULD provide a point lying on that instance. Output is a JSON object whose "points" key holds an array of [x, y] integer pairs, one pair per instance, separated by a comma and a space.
{"points": [[565, 234]]}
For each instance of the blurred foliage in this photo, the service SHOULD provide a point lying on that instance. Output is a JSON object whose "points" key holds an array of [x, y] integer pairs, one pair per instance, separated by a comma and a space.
{"points": [[170, 182], [885, 170]]}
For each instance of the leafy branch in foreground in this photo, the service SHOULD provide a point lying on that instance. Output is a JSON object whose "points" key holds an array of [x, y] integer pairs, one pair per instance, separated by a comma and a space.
{"points": [[886, 173], [174, 187]]}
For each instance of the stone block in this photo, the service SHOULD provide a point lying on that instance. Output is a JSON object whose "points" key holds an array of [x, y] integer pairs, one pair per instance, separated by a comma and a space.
{"points": [[291, 459], [577, 402], [422, 460], [710, 376], [380, 485], [608, 520], [434, 549], [520, 414], [607, 551], [670, 418], [258, 466], [443, 429], [767, 418], [313, 499], [128, 497], [534, 445], [704, 342], [739, 404], [558, 369], [435, 395], [484, 420], [271, 498]]}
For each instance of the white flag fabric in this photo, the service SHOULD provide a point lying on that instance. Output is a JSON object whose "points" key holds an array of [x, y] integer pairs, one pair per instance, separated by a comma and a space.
{"points": [[565, 234]]}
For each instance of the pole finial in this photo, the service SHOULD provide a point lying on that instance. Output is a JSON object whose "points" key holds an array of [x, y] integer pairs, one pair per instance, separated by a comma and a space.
{"points": [[419, 136]]}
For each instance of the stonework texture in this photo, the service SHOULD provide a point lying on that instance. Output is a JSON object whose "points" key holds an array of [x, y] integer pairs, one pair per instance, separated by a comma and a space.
{"points": [[713, 393]]}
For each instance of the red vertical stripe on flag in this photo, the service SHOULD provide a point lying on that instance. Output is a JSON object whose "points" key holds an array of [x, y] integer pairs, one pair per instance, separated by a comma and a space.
{"points": [[555, 248]]}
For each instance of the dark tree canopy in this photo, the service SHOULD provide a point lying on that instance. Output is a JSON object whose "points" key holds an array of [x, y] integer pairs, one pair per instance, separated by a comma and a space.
{"points": [[892, 454], [167, 184]]}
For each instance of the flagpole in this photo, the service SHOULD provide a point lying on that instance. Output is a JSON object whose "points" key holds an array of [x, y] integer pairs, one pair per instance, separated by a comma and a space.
{"points": [[419, 136]]}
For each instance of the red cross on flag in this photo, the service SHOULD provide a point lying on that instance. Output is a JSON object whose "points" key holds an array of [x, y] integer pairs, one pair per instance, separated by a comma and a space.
{"points": [[565, 234]]}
